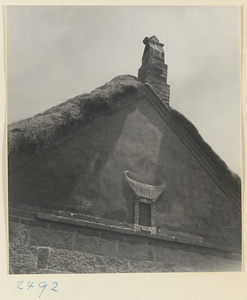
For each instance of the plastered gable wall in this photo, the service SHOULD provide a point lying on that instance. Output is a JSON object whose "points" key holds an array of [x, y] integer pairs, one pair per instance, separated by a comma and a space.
{"points": [[84, 174]]}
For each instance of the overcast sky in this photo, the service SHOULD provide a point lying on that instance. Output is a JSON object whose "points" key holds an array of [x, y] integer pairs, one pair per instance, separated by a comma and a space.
{"points": [[56, 53]]}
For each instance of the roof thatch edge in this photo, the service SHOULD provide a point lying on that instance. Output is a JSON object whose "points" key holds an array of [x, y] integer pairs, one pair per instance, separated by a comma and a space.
{"points": [[38, 131], [190, 128]]}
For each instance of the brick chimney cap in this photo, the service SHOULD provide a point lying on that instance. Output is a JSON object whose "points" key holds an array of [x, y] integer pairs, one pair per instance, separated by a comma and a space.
{"points": [[153, 40]]}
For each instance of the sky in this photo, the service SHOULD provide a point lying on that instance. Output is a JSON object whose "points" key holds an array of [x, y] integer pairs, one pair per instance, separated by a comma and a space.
{"points": [[55, 53]]}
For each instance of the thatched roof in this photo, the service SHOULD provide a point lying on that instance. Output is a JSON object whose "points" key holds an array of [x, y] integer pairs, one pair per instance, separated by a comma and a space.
{"points": [[230, 176], [38, 131]]}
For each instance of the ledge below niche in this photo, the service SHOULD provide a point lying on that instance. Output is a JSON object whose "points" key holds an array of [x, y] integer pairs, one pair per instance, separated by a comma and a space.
{"points": [[154, 237]]}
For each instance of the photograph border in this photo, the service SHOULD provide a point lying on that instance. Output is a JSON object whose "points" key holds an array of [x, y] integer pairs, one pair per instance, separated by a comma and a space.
{"points": [[123, 286]]}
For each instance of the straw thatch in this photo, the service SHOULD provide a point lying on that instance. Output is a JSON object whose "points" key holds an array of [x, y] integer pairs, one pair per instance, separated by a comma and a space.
{"points": [[38, 131], [206, 149]]}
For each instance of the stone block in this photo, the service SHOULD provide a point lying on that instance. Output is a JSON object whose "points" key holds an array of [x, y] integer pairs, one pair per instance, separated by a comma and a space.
{"points": [[43, 256], [136, 251], [51, 238], [71, 261], [186, 259], [17, 234], [112, 265], [67, 261], [167, 256], [22, 257], [97, 245]]}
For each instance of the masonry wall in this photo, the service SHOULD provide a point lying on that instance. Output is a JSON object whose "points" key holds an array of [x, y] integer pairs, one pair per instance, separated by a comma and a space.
{"points": [[39, 246], [83, 173]]}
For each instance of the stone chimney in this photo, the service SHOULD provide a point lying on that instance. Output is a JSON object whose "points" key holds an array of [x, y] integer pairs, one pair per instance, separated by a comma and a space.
{"points": [[154, 69]]}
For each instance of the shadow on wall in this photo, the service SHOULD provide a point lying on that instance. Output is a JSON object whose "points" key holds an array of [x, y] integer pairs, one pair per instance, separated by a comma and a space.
{"points": [[67, 176]]}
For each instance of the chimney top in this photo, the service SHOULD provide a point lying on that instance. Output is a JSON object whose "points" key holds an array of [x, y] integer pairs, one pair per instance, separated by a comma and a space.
{"points": [[153, 39], [154, 69]]}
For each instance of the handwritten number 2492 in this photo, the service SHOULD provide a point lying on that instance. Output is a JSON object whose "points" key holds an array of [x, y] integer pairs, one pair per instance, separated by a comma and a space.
{"points": [[42, 285]]}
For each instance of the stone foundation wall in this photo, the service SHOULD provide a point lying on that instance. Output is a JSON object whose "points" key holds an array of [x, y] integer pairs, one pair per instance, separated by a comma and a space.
{"points": [[40, 246]]}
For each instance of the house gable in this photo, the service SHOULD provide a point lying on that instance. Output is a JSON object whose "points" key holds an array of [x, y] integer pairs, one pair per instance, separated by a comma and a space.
{"points": [[83, 172]]}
